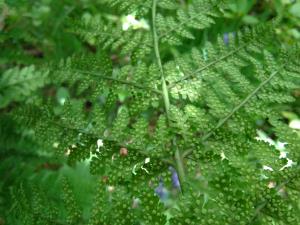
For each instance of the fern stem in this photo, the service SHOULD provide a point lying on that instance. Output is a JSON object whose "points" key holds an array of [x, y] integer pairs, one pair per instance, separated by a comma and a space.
{"points": [[224, 120], [178, 158], [119, 81], [158, 59], [180, 166]]}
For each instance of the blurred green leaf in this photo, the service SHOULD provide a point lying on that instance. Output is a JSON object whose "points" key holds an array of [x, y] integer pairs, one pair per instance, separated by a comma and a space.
{"points": [[62, 94], [295, 9], [250, 19]]}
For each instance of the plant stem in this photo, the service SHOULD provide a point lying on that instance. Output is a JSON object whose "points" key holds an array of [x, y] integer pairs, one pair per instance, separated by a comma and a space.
{"points": [[180, 167], [158, 59], [165, 93]]}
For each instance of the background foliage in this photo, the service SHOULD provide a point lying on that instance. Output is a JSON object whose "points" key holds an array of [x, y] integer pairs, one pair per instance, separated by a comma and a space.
{"points": [[41, 41]]}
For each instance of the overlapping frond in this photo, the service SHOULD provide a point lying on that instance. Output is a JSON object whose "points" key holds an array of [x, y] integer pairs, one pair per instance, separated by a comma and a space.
{"points": [[198, 15], [253, 200], [130, 42], [140, 7], [17, 84], [31, 209], [222, 86]]}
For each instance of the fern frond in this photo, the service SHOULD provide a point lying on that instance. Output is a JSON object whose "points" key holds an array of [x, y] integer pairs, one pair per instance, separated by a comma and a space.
{"points": [[138, 7], [32, 210], [18, 83], [189, 118], [126, 207], [245, 101], [132, 42], [247, 42], [198, 15], [73, 212], [253, 106]]}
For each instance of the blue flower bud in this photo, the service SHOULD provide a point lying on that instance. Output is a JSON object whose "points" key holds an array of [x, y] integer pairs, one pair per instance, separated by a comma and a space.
{"points": [[161, 191], [175, 178]]}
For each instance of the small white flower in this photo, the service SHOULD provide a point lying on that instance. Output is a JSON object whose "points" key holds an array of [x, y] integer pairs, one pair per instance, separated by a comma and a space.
{"points": [[147, 160], [130, 21], [267, 168], [99, 144]]}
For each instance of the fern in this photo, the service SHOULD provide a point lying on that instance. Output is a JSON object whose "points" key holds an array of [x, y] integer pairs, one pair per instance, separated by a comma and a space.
{"points": [[133, 42], [158, 115], [199, 15], [17, 84]]}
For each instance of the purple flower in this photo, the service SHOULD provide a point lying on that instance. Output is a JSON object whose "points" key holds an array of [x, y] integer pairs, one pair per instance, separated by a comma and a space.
{"points": [[161, 191], [226, 38], [175, 178]]}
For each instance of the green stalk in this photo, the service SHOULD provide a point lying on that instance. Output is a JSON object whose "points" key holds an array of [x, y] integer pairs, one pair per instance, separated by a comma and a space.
{"points": [[165, 93], [180, 167], [157, 55]]}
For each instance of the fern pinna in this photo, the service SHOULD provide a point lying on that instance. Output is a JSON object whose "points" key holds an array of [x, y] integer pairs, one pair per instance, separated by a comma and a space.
{"points": [[148, 118]]}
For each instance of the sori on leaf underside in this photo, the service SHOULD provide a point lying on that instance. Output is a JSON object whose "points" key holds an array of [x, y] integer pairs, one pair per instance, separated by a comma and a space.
{"points": [[136, 110]]}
